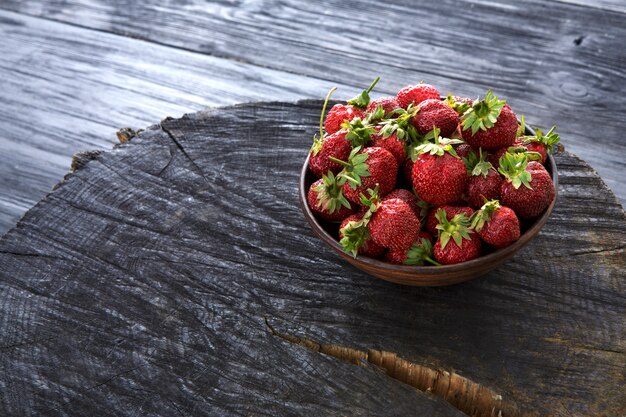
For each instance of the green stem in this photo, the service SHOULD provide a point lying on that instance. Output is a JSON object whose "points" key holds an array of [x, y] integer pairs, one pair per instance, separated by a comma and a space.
{"points": [[332, 90], [432, 261], [339, 161], [352, 180], [373, 84]]}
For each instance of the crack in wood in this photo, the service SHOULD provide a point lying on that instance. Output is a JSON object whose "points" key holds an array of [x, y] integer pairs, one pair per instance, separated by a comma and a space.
{"points": [[180, 147], [467, 396]]}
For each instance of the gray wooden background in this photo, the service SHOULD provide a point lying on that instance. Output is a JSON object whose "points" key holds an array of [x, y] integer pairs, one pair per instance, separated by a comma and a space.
{"points": [[73, 72]]}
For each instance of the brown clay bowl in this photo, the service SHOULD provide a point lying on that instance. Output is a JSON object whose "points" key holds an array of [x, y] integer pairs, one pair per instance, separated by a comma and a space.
{"points": [[423, 275]]}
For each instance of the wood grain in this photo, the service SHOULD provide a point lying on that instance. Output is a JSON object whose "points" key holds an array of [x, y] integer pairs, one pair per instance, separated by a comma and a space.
{"points": [[142, 283], [67, 89], [556, 62]]}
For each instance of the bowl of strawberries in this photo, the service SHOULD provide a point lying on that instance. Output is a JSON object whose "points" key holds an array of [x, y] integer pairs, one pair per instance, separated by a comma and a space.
{"points": [[420, 189]]}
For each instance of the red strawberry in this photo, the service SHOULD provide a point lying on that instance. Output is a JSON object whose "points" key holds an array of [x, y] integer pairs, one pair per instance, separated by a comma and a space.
{"points": [[327, 201], [394, 225], [408, 197], [489, 124], [484, 181], [435, 113], [341, 113], [536, 194], [365, 245], [495, 224], [415, 94], [407, 170], [463, 150], [338, 114], [420, 252], [336, 146], [465, 244], [484, 186], [451, 211], [439, 176], [391, 143], [388, 104], [367, 169]]}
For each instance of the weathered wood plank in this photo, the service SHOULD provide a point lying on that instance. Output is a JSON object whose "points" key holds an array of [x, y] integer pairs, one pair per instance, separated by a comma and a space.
{"points": [[556, 62], [67, 89], [142, 283], [612, 5]]}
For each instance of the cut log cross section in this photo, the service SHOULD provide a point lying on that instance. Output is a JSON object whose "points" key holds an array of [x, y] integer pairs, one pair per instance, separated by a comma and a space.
{"points": [[176, 275]]}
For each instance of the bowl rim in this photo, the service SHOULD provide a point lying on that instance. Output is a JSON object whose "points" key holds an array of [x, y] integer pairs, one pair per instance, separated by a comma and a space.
{"points": [[319, 230]]}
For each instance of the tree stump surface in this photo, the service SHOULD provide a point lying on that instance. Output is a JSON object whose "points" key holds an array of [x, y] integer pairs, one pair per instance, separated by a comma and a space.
{"points": [[176, 275]]}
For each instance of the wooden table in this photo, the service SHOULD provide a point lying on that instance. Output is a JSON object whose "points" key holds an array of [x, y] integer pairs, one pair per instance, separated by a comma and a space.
{"points": [[132, 290], [74, 72]]}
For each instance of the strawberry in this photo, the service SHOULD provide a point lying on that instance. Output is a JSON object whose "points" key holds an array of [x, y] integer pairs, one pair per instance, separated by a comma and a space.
{"points": [[327, 201], [341, 113], [407, 170], [388, 104], [394, 225], [496, 225], [463, 150], [408, 197], [540, 143], [489, 124], [484, 181], [537, 193], [391, 143], [337, 115], [390, 223], [420, 252], [438, 174], [435, 113], [366, 169], [336, 146], [415, 94], [451, 211], [465, 243], [355, 235]]}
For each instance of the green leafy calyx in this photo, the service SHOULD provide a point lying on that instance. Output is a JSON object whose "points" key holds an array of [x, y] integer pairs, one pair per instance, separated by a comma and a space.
{"points": [[456, 229], [483, 114], [439, 146], [362, 100], [399, 122], [359, 131], [513, 167], [420, 253], [355, 233], [458, 106], [329, 195], [354, 169], [482, 216], [477, 165], [549, 139]]}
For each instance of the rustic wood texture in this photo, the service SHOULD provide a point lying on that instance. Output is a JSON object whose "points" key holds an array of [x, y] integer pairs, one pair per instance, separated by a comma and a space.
{"points": [[141, 285], [558, 62], [66, 89]]}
